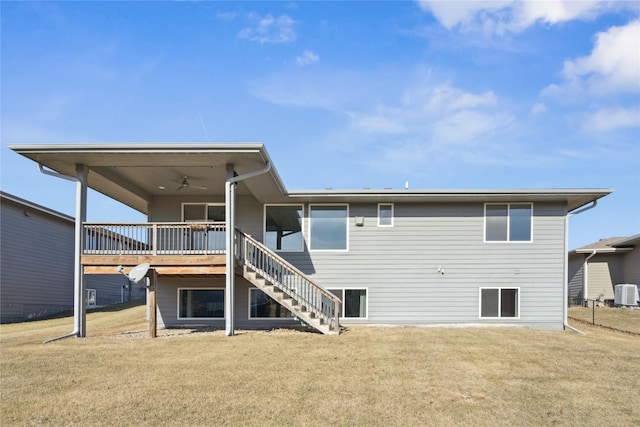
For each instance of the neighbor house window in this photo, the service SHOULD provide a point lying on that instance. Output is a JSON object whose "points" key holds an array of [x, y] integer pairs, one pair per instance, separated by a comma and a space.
{"points": [[262, 306], [283, 227], [385, 215], [200, 303], [354, 302], [508, 222], [499, 302], [91, 298], [328, 227]]}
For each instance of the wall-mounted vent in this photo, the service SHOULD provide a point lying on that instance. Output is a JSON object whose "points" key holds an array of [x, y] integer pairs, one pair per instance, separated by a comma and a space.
{"points": [[626, 294]]}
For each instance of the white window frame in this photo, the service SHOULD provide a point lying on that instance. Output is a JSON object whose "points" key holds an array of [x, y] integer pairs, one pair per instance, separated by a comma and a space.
{"points": [[310, 236], [508, 240], [269, 319], [95, 298], [264, 225], [392, 214], [204, 213], [342, 305], [199, 289], [499, 288]]}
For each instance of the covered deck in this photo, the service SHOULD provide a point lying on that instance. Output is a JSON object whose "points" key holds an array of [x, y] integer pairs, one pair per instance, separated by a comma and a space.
{"points": [[174, 249]]}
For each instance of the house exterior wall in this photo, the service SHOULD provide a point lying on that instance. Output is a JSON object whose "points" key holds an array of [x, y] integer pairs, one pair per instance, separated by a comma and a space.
{"points": [[631, 267], [398, 265], [603, 273], [576, 277], [36, 265], [36, 250]]}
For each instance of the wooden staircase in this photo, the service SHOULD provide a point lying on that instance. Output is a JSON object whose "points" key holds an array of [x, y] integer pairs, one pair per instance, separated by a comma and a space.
{"points": [[287, 285]]}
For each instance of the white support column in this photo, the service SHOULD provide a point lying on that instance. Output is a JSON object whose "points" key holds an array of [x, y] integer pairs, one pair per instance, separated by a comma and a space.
{"points": [[80, 312], [229, 206]]}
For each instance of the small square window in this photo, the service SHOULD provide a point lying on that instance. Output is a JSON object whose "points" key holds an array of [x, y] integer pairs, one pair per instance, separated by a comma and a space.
{"points": [[385, 215]]}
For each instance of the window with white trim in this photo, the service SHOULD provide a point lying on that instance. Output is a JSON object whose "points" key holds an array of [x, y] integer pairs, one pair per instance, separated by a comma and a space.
{"points": [[283, 227], [508, 222], [499, 303], [354, 302], [91, 298], [385, 214], [262, 306], [328, 227], [200, 303]]}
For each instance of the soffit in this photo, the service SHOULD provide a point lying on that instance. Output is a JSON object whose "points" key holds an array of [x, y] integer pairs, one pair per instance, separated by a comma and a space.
{"points": [[134, 173]]}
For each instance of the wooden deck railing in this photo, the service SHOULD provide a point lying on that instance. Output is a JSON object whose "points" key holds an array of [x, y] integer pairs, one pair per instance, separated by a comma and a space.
{"points": [[285, 276], [154, 238]]}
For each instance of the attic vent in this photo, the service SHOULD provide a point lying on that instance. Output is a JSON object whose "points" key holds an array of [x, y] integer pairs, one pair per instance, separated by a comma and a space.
{"points": [[626, 294]]}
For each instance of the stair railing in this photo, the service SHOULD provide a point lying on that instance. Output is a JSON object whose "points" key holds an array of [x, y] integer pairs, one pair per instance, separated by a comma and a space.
{"points": [[292, 281]]}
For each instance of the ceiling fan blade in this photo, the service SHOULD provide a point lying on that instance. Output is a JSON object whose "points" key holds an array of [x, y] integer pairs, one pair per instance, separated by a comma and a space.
{"points": [[198, 187]]}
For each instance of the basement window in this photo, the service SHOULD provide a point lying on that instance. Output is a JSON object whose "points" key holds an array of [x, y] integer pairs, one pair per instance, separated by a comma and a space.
{"points": [[200, 303], [354, 302], [262, 306], [497, 303]]}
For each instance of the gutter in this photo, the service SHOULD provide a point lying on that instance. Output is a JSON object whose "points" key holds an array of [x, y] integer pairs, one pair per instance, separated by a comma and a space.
{"points": [[565, 305], [230, 212], [79, 310]]}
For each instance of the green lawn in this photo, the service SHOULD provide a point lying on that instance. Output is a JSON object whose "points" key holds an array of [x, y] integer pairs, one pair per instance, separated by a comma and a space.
{"points": [[364, 377]]}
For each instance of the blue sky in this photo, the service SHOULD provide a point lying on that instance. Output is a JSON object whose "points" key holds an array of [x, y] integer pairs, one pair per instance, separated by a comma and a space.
{"points": [[444, 95]]}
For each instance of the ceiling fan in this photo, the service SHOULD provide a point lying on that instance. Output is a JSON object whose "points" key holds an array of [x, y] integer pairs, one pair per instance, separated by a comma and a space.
{"points": [[185, 184]]}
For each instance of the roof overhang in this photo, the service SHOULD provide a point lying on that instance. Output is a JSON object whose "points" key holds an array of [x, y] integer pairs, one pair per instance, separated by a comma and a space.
{"points": [[135, 173], [574, 198]]}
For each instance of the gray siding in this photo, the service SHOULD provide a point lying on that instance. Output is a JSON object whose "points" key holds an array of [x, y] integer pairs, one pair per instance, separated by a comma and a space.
{"points": [[576, 277], [36, 264], [631, 267], [399, 265], [36, 271]]}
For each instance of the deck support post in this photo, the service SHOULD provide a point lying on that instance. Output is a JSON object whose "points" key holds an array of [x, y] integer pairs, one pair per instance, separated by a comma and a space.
{"points": [[80, 311], [153, 322]]}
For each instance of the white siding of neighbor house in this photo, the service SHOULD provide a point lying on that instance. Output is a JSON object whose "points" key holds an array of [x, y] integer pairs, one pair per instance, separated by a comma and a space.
{"points": [[576, 276], [603, 273], [399, 265]]}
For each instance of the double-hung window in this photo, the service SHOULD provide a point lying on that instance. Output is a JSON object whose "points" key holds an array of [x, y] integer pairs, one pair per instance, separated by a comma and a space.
{"points": [[508, 222], [328, 227], [499, 302]]}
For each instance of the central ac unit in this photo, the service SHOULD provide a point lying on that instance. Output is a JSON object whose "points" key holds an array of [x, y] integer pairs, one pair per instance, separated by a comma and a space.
{"points": [[626, 294]]}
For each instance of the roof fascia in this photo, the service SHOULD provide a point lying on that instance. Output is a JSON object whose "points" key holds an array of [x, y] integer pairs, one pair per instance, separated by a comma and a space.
{"points": [[35, 206]]}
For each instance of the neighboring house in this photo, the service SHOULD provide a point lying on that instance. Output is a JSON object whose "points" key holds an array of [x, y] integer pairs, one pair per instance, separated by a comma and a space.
{"points": [[595, 269], [393, 257], [36, 264]]}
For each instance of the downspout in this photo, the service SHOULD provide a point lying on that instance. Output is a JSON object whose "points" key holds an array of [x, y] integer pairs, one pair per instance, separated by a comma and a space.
{"points": [[230, 212], [565, 305], [79, 310]]}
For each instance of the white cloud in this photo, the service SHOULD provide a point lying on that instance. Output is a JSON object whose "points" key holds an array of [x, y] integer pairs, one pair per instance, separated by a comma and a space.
{"points": [[609, 119], [269, 29], [614, 62], [514, 16], [308, 57], [538, 109]]}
